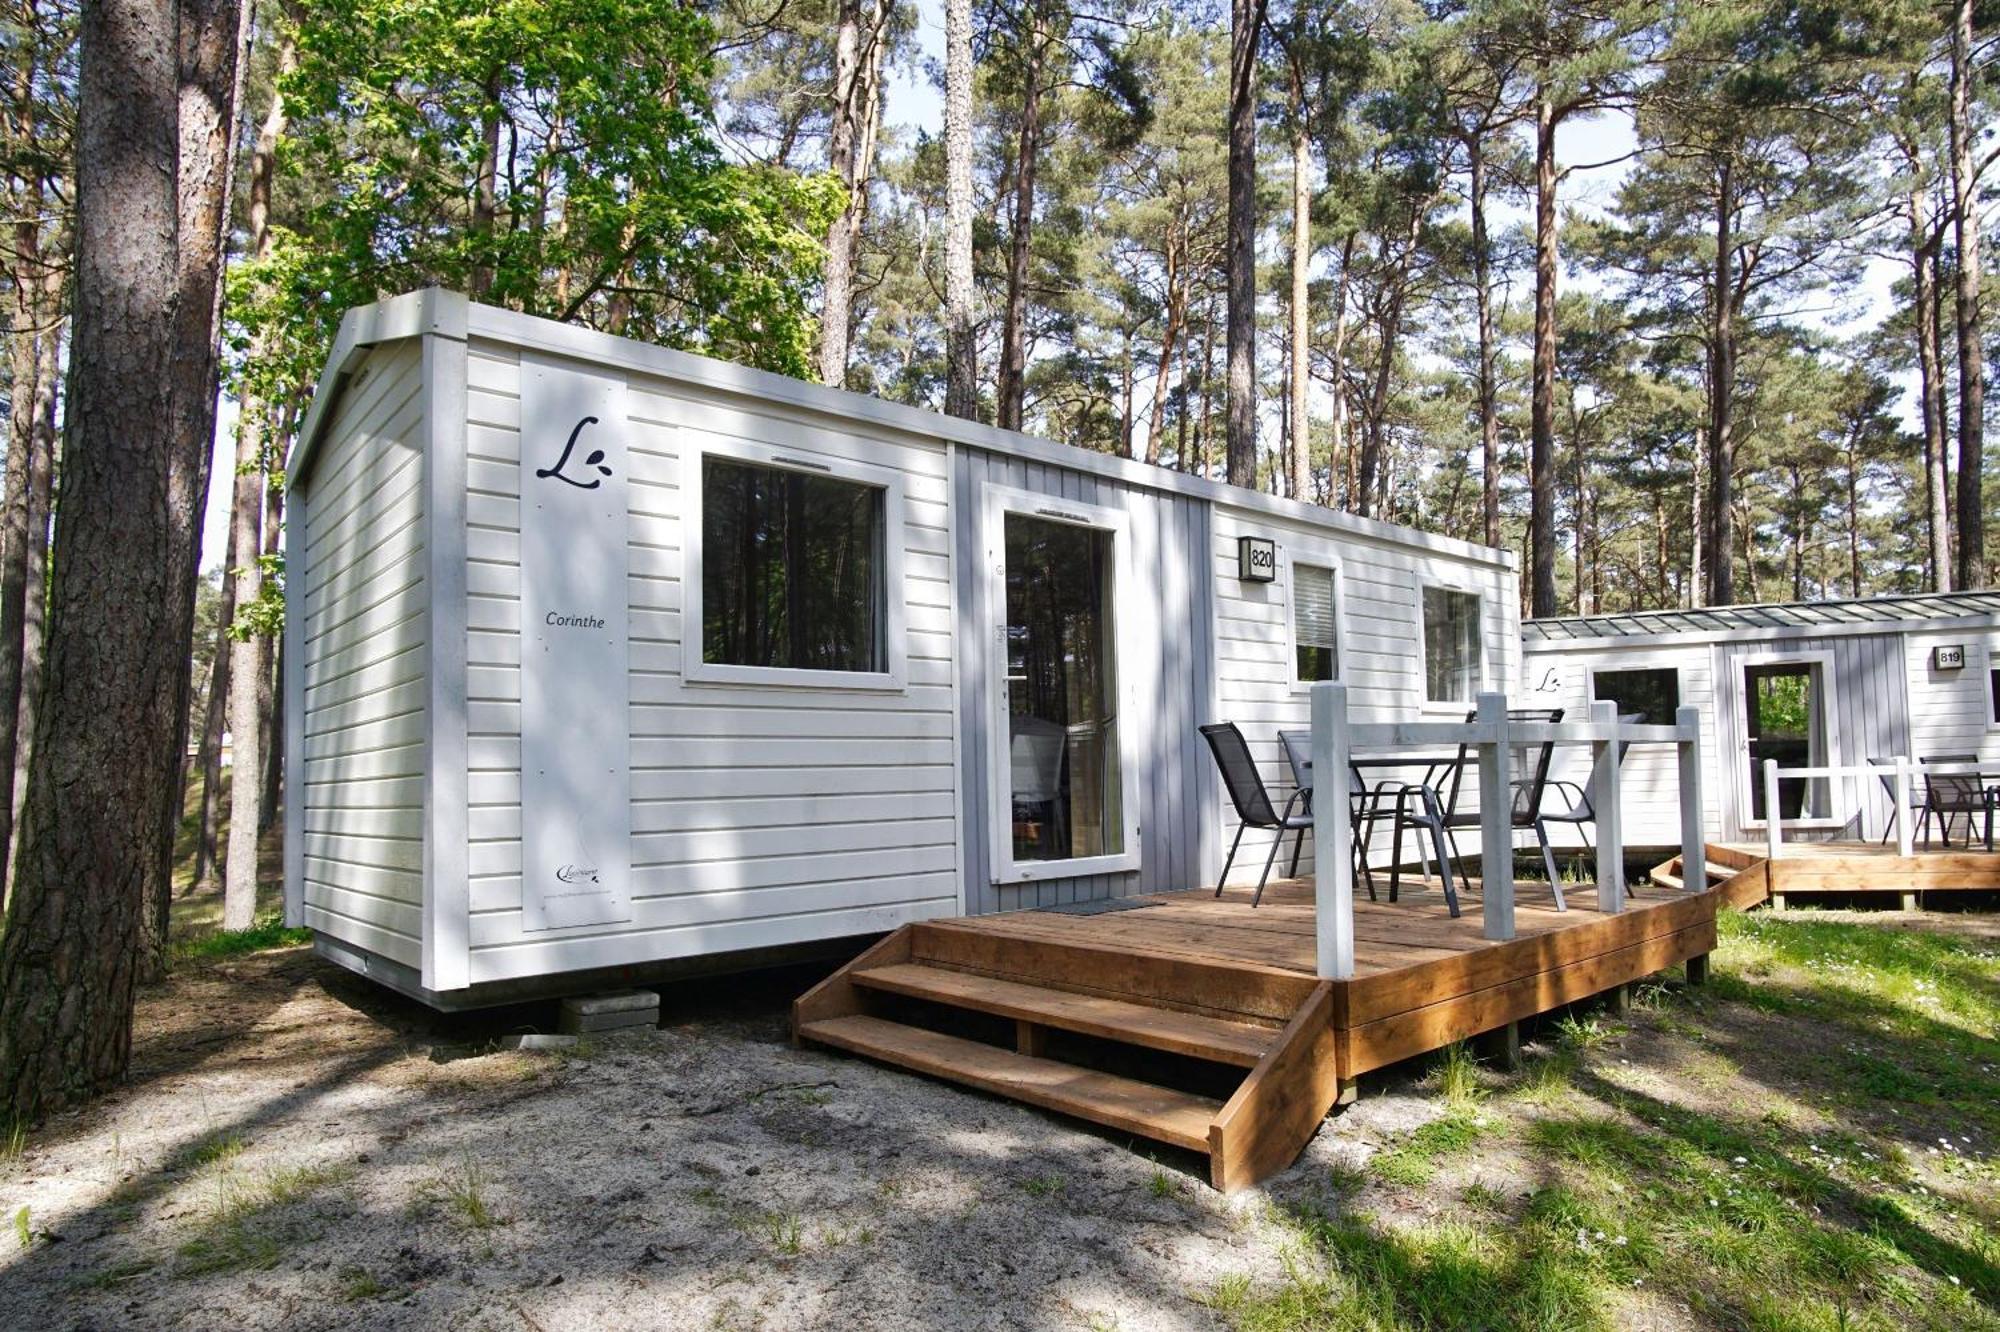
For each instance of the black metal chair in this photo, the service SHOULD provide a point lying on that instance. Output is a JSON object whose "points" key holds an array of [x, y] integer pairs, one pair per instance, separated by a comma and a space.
{"points": [[1948, 794], [1579, 811], [1364, 806], [1252, 801], [1439, 813]]}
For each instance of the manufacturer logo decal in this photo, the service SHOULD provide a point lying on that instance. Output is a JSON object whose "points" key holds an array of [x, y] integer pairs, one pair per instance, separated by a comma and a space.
{"points": [[596, 459]]}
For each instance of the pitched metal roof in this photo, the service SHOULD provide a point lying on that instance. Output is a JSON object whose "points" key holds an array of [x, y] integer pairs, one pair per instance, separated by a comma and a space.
{"points": [[1885, 610]]}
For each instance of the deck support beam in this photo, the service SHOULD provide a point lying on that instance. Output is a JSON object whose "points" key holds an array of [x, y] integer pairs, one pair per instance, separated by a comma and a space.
{"points": [[1697, 969], [1618, 1000], [1501, 1047]]}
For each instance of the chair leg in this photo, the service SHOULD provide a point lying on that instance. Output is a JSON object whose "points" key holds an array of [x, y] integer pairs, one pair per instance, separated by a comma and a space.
{"points": [[1444, 868], [1549, 864], [1230, 859], [1297, 848], [1277, 841]]}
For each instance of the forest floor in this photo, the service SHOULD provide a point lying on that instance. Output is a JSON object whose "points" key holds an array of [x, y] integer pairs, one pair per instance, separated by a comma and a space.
{"points": [[1806, 1142]]}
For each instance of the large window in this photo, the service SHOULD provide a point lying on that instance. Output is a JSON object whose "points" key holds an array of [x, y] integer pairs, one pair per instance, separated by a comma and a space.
{"points": [[791, 570], [1315, 639], [1062, 690], [1454, 657], [1993, 686], [1653, 693]]}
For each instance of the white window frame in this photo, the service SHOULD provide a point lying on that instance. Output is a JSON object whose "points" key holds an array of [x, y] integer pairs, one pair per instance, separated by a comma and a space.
{"points": [[1315, 557], [999, 501], [1425, 703], [809, 462], [1594, 669], [1829, 718]]}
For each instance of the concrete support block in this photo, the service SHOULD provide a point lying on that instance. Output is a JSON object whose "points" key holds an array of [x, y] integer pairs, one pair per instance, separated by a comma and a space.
{"points": [[582, 1014]]}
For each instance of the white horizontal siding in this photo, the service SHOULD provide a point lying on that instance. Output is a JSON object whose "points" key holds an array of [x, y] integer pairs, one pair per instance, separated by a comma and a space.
{"points": [[363, 663], [760, 816], [1951, 711], [1650, 777], [1381, 653]]}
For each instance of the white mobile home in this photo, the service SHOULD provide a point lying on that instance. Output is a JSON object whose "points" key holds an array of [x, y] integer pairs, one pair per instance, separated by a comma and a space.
{"points": [[605, 660], [1808, 684]]}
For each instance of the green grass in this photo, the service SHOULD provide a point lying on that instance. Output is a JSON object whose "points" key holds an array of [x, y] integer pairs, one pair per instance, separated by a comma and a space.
{"points": [[243, 1230], [265, 934], [1804, 1188]]}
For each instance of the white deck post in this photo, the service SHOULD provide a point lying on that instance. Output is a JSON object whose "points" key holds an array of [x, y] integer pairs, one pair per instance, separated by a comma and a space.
{"points": [[1333, 835], [1604, 799], [1774, 830], [1496, 818], [1694, 847], [1906, 836]]}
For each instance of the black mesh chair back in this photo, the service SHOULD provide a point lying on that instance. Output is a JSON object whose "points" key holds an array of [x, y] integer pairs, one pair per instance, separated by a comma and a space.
{"points": [[1239, 775], [1953, 792], [1527, 789]]}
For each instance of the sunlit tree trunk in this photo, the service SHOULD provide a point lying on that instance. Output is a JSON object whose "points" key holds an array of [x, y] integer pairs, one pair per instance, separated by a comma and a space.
{"points": [[1971, 354], [961, 396], [1246, 21]]}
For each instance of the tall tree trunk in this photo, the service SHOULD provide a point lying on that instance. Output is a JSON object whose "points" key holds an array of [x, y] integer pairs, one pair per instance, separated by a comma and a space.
{"points": [[1542, 426], [961, 394], [1722, 396], [96, 837], [1482, 284], [1698, 521], [1176, 316], [836, 309], [249, 672], [1971, 354], [1930, 387], [1302, 248], [1341, 459], [249, 667], [270, 699], [34, 616], [215, 722], [1854, 518], [211, 35], [1014, 328], [1246, 19], [486, 189]]}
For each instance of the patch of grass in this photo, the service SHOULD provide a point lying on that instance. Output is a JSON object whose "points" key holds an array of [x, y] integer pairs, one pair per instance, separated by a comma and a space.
{"points": [[1457, 1076], [784, 1232], [239, 1234], [265, 934], [1162, 1185], [358, 1284], [13, 1141], [1043, 1186], [116, 1274], [24, 1231], [463, 1193], [1414, 1160]]}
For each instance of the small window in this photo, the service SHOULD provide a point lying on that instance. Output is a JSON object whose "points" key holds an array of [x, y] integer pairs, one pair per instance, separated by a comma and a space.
{"points": [[792, 569], [1654, 694], [1993, 679], [1314, 639], [1454, 660]]}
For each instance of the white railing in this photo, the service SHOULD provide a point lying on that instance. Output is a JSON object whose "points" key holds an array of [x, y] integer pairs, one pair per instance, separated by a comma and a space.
{"points": [[1901, 773], [1335, 738]]}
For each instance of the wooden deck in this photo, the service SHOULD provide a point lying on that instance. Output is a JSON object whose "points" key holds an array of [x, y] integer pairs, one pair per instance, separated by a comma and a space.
{"points": [[1184, 994], [1846, 868]]}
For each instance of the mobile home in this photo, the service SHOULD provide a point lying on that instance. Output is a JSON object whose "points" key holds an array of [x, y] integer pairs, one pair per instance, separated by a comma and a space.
{"points": [[1808, 684], [605, 660]]}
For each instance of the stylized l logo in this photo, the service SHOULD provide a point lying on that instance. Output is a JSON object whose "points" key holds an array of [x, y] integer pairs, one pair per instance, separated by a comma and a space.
{"points": [[596, 459]]}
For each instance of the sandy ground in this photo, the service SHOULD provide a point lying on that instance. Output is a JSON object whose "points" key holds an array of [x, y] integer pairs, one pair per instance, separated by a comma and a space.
{"points": [[702, 1175]]}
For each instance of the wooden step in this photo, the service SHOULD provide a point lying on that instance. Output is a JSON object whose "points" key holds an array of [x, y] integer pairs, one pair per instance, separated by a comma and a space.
{"points": [[1122, 1103], [1218, 1039]]}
